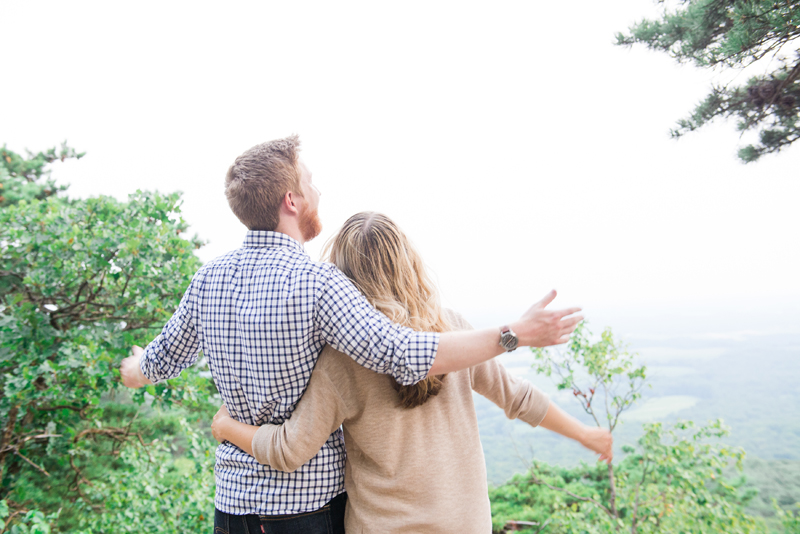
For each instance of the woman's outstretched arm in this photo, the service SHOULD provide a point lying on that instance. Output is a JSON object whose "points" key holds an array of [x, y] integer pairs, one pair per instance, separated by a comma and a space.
{"points": [[593, 438], [522, 400]]}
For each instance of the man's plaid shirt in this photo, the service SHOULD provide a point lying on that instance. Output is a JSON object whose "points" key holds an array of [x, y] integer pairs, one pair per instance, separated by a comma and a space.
{"points": [[261, 315]]}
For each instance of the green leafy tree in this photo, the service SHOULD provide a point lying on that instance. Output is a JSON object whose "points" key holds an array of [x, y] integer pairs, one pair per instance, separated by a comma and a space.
{"points": [[29, 178], [790, 519], [671, 481], [81, 280], [735, 34], [602, 377]]}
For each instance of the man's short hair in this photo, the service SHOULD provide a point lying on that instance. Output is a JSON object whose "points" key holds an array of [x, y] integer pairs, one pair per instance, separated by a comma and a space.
{"points": [[259, 179]]}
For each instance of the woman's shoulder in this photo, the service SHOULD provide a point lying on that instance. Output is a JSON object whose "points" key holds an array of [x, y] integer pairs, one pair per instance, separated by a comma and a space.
{"points": [[456, 320], [340, 367], [332, 358]]}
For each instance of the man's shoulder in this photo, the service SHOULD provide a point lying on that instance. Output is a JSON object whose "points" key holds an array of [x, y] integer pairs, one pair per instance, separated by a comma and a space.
{"points": [[323, 268], [322, 272], [277, 258], [225, 259], [301, 267], [217, 264]]}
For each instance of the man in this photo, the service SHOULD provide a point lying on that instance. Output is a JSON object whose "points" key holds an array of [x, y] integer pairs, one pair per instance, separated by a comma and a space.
{"points": [[261, 315]]}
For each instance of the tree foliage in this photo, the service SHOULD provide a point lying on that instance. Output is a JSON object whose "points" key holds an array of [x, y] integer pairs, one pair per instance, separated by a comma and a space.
{"points": [[604, 370], [81, 280], [735, 34], [790, 519], [29, 178], [672, 480]]}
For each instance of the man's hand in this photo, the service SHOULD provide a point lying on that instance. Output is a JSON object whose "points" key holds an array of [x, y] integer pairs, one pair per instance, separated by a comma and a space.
{"points": [[218, 423], [600, 441], [539, 327], [131, 372]]}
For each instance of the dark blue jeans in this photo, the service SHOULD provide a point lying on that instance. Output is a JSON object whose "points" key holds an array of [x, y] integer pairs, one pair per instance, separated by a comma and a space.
{"points": [[327, 520]]}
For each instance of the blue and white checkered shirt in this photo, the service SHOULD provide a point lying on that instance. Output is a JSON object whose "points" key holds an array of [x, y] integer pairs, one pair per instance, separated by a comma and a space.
{"points": [[261, 315]]}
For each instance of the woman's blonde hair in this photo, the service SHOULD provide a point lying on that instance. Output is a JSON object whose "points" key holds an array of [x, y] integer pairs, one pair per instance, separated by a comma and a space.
{"points": [[383, 264]]}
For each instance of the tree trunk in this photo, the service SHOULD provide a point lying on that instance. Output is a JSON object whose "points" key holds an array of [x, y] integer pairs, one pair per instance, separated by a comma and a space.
{"points": [[8, 433], [612, 498]]}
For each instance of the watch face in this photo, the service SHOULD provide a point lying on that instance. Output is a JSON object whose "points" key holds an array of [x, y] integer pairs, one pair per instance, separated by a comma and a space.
{"points": [[508, 341]]}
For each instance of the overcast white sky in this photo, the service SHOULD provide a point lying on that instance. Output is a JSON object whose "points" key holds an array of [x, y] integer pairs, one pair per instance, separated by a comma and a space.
{"points": [[517, 146]]}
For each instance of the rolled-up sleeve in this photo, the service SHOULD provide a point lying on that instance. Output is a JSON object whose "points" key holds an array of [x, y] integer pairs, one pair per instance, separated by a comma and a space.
{"points": [[176, 347], [518, 398], [351, 325]]}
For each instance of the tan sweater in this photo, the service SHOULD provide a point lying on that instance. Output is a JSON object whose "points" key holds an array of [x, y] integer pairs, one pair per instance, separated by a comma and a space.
{"points": [[418, 470]]}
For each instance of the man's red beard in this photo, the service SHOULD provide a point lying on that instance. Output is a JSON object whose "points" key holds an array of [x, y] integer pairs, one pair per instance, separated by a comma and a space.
{"points": [[310, 225]]}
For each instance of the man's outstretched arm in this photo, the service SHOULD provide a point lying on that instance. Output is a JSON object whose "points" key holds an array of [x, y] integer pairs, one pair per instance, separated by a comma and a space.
{"points": [[172, 351], [538, 327]]}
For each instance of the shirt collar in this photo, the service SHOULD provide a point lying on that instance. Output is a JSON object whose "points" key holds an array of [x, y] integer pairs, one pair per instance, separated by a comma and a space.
{"points": [[264, 238]]}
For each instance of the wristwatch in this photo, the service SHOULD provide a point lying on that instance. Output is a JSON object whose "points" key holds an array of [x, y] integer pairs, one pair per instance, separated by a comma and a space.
{"points": [[508, 339]]}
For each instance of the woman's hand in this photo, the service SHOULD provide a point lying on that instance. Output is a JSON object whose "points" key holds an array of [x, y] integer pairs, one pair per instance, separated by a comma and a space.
{"points": [[593, 438], [226, 428], [600, 441], [218, 424]]}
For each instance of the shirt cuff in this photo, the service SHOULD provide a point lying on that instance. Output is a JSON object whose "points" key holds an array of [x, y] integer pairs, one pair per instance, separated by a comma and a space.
{"points": [[538, 408], [146, 366], [419, 355], [262, 441]]}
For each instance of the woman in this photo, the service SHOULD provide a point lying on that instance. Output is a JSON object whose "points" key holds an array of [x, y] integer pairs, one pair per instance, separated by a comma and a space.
{"points": [[414, 457]]}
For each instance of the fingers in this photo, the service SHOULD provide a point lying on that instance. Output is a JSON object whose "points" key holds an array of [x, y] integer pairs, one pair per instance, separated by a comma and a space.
{"points": [[608, 449], [567, 326], [564, 334], [216, 433], [571, 323], [601, 442], [547, 299], [568, 311]]}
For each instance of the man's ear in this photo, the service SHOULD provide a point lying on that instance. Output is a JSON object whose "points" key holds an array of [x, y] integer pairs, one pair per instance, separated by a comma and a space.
{"points": [[289, 203]]}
